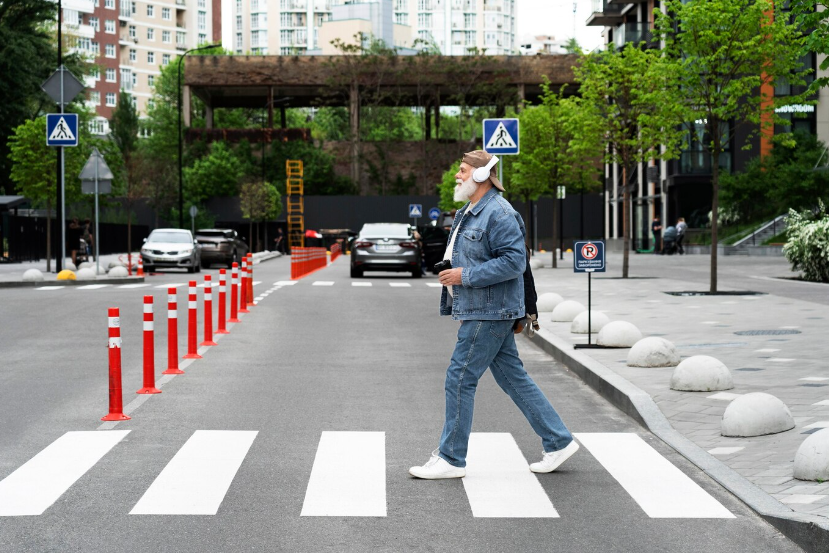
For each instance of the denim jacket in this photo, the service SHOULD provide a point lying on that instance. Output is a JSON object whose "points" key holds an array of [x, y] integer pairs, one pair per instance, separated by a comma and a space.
{"points": [[490, 248]]}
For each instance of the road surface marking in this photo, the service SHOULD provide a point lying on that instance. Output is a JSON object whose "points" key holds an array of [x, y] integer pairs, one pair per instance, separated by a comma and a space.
{"points": [[498, 480], [766, 350], [434, 284], [174, 285], [92, 286], [256, 282], [197, 478], [361, 284], [285, 283], [822, 402], [50, 288], [815, 378], [36, 485], [133, 285], [323, 283], [780, 360], [400, 285], [348, 477], [661, 489]]}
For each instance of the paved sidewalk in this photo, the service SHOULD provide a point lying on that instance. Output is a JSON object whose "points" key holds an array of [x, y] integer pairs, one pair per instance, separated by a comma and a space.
{"points": [[791, 365]]}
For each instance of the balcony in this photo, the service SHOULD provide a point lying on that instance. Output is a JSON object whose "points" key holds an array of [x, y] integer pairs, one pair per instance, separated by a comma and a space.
{"points": [[126, 10], [605, 14], [635, 32], [181, 5], [293, 5], [80, 31], [322, 6]]}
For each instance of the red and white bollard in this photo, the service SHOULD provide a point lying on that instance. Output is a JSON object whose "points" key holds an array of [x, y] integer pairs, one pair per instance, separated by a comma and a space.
{"points": [[172, 333], [250, 280], [140, 266], [208, 312], [192, 323], [149, 349], [116, 404], [222, 302], [243, 290], [234, 293]]}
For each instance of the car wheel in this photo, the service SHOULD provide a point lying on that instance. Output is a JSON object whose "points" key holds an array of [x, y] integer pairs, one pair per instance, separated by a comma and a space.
{"points": [[197, 267], [356, 273], [233, 259], [417, 273], [149, 269], [191, 269]]}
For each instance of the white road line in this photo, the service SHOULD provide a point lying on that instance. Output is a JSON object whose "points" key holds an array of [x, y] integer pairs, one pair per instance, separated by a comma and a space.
{"points": [[50, 287], [255, 282], [361, 284], [498, 481], [92, 286], [285, 283], [434, 285], [400, 285], [815, 378], [36, 485], [173, 285], [197, 478], [661, 489], [133, 285], [348, 477], [323, 283]]}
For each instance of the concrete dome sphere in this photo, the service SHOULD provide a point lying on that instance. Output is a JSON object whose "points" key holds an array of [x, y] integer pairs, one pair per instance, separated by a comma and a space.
{"points": [[69, 266], [118, 272], [86, 265], [113, 264], [618, 334], [701, 373], [66, 274], [548, 301], [756, 414], [653, 352], [566, 311], [32, 275], [597, 322], [87, 273], [811, 462], [101, 270], [536, 263]]}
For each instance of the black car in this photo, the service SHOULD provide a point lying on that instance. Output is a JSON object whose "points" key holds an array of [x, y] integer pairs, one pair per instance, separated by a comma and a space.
{"points": [[220, 246], [435, 239]]}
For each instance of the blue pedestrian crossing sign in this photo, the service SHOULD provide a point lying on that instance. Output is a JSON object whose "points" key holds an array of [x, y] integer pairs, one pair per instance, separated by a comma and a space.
{"points": [[588, 257], [415, 211], [434, 213], [62, 129], [501, 136]]}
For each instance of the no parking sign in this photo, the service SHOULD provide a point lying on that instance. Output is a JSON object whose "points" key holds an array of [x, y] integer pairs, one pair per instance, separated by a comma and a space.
{"points": [[589, 257]]}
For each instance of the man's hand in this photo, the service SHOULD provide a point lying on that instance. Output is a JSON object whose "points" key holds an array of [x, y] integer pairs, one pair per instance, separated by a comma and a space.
{"points": [[451, 277]]}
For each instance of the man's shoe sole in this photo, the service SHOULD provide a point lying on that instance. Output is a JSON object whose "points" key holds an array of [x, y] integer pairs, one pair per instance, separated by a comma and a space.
{"points": [[443, 476], [560, 461]]}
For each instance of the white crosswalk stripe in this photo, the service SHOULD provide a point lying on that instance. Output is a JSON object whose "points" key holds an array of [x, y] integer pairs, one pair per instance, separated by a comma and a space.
{"points": [[93, 286], [400, 285], [323, 283], [196, 480], [36, 485], [134, 285], [661, 489], [363, 284], [50, 287]]}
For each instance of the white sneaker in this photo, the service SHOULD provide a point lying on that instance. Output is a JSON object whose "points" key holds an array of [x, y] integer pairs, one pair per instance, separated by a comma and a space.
{"points": [[437, 468], [551, 461]]}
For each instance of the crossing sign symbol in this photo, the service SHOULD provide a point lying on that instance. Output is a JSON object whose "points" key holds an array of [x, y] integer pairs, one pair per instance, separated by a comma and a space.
{"points": [[62, 129], [415, 211], [501, 136]]}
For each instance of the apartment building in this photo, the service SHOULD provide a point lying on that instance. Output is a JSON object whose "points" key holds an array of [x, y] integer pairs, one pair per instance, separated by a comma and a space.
{"points": [[682, 187], [130, 41], [292, 27]]}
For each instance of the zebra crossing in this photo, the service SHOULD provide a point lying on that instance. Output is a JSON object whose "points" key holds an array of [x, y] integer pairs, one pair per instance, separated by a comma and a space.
{"points": [[213, 284], [349, 475]]}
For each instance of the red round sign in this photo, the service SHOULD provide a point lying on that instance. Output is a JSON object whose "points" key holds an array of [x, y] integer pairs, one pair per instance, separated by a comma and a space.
{"points": [[589, 251]]}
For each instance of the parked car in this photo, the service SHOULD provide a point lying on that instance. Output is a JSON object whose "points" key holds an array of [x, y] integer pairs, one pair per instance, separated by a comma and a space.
{"points": [[171, 248], [220, 245], [385, 247], [435, 239]]}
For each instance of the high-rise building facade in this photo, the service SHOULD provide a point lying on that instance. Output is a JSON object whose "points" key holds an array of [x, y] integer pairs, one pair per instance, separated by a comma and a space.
{"points": [[291, 27]]}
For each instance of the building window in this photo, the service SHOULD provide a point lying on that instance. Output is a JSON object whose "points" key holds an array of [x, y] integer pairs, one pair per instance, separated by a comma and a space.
{"points": [[165, 14], [202, 21], [285, 51], [202, 38], [238, 22], [254, 5], [133, 54], [98, 125], [424, 20], [110, 75], [401, 5], [203, 4], [110, 99], [150, 34], [424, 5], [469, 20], [151, 80], [150, 10], [166, 37], [95, 24], [401, 18], [165, 59], [95, 73], [109, 26], [95, 98], [490, 39], [132, 31], [239, 43], [95, 48], [109, 4], [254, 21], [110, 50], [285, 20], [151, 57], [254, 38], [238, 6]]}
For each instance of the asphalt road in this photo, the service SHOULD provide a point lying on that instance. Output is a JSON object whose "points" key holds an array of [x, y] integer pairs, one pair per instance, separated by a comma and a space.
{"points": [[307, 362]]}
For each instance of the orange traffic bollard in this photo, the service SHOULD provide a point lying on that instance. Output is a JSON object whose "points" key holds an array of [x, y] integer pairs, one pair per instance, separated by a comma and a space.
{"points": [[221, 329], [116, 404], [192, 323], [149, 349], [172, 333]]}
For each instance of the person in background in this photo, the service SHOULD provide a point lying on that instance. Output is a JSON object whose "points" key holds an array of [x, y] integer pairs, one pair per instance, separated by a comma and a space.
{"points": [[279, 241], [88, 238], [656, 228], [73, 239], [681, 227]]}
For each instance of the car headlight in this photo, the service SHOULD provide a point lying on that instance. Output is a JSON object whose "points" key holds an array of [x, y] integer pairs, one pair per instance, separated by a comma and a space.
{"points": [[186, 252], [145, 250]]}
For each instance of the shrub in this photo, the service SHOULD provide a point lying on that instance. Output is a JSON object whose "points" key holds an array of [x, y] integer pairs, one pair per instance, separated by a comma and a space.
{"points": [[808, 245]]}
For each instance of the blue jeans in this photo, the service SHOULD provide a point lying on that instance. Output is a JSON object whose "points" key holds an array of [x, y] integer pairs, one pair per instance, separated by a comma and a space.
{"points": [[483, 344]]}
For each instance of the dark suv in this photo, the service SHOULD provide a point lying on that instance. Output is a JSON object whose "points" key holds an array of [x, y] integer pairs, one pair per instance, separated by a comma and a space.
{"points": [[220, 246]]}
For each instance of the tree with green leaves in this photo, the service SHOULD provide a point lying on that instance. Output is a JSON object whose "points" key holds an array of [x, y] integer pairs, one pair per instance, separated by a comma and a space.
{"points": [[446, 189], [216, 174], [572, 46], [635, 94], [260, 202], [124, 128], [729, 55], [811, 15], [561, 140]]}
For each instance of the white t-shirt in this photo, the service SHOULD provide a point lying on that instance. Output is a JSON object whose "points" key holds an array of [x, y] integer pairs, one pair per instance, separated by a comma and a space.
{"points": [[451, 246]]}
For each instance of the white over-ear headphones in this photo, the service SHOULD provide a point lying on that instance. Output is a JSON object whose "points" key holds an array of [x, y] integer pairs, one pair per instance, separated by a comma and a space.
{"points": [[482, 173]]}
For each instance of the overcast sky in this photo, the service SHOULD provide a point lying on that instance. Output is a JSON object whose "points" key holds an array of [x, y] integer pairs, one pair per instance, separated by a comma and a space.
{"points": [[555, 17]]}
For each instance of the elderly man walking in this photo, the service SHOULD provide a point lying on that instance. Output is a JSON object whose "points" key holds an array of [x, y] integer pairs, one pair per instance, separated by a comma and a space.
{"points": [[484, 290]]}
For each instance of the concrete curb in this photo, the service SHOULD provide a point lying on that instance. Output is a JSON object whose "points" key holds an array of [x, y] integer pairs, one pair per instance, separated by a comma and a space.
{"points": [[21, 284], [809, 532], [265, 257]]}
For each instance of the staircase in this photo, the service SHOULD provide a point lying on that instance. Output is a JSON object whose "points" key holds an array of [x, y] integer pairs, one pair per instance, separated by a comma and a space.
{"points": [[763, 233]]}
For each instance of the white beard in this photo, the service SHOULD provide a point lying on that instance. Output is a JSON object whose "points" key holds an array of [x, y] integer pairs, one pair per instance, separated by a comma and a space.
{"points": [[464, 190]]}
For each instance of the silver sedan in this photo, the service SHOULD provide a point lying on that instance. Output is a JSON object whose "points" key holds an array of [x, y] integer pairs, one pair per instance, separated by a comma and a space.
{"points": [[385, 247]]}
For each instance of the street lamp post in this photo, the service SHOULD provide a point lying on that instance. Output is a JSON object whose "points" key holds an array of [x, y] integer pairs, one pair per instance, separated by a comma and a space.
{"points": [[180, 146]]}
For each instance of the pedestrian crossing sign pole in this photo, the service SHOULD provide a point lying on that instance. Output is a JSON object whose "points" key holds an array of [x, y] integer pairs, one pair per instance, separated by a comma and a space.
{"points": [[501, 137], [62, 129], [415, 212]]}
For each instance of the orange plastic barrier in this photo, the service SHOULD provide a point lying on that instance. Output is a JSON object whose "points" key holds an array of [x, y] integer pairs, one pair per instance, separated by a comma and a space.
{"points": [[335, 252], [307, 260]]}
